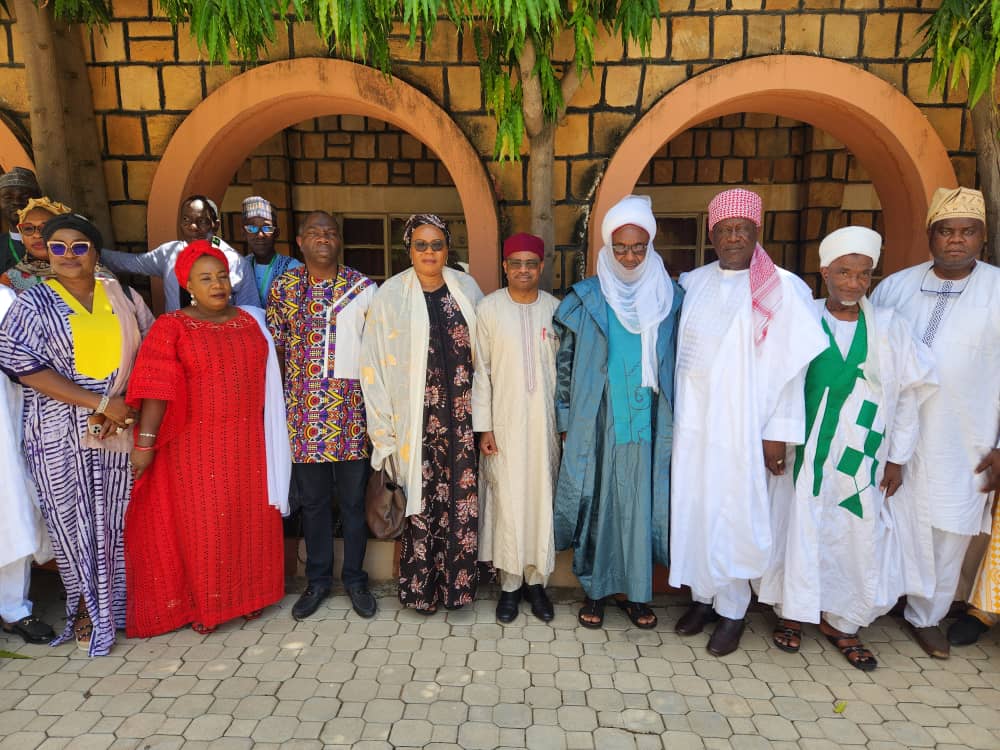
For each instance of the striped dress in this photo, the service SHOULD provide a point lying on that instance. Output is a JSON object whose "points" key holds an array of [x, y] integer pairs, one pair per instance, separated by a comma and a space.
{"points": [[83, 491]]}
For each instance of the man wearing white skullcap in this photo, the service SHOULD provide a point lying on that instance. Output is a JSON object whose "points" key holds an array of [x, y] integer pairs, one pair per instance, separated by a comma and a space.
{"points": [[614, 391], [836, 560], [952, 303], [747, 334]]}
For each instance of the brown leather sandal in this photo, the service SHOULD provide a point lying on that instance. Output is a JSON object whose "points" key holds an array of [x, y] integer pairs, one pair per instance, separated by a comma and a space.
{"points": [[787, 635], [853, 650], [83, 628]]}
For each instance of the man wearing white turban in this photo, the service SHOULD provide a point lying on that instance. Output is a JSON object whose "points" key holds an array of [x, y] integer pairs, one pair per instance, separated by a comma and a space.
{"points": [[836, 560], [614, 408], [748, 332], [952, 304]]}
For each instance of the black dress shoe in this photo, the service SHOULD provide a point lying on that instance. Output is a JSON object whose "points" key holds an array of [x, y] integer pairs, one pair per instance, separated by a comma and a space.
{"points": [[541, 607], [694, 620], [309, 602], [966, 630], [362, 600], [726, 637], [508, 606], [31, 629]]}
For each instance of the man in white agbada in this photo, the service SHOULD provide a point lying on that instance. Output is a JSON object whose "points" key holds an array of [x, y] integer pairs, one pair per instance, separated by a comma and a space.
{"points": [[748, 332], [952, 304], [514, 411], [22, 534], [836, 560]]}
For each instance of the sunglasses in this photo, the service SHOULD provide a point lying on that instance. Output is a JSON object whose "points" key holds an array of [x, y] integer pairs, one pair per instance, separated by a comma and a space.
{"points": [[422, 247], [30, 229], [267, 230], [78, 248]]}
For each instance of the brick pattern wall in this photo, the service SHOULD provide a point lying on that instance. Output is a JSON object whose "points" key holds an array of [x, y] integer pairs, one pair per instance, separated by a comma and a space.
{"points": [[146, 78]]}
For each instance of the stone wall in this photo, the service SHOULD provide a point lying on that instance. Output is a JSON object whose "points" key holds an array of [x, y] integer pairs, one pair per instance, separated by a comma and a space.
{"points": [[146, 77]]}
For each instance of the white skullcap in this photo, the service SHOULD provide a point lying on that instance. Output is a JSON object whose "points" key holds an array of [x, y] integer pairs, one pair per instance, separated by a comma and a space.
{"points": [[849, 240], [632, 209]]}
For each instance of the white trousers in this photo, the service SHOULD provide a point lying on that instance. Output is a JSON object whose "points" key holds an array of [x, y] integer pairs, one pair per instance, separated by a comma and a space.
{"points": [[949, 553], [730, 601], [513, 581], [14, 581], [838, 623]]}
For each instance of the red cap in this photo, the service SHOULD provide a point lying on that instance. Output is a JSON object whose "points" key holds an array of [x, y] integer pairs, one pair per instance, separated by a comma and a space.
{"points": [[522, 242], [188, 256]]}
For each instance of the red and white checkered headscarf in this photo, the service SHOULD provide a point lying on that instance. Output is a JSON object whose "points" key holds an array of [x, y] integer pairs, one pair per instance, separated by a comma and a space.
{"points": [[765, 286]]}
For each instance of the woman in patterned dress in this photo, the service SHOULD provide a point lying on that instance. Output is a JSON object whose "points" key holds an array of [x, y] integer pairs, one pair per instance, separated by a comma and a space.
{"points": [[71, 342], [417, 362], [203, 540]]}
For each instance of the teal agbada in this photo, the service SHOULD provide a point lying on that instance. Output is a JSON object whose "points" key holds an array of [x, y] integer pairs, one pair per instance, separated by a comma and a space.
{"points": [[612, 498]]}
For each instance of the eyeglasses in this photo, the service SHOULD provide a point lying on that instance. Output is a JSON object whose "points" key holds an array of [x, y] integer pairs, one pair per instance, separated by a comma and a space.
{"points": [[422, 246], [315, 234], [516, 265], [638, 250], [30, 229], [78, 248], [267, 230], [197, 221]]}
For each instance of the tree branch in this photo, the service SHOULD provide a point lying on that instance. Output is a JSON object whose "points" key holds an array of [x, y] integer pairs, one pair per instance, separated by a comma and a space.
{"points": [[568, 85], [531, 90]]}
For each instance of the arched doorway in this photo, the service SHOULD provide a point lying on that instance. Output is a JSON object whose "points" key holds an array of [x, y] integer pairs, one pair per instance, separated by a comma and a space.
{"points": [[884, 129], [12, 153], [213, 141]]}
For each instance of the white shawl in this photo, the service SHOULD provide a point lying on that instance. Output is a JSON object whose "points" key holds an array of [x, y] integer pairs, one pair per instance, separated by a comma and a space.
{"points": [[642, 297], [277, 450], [394, 367]]}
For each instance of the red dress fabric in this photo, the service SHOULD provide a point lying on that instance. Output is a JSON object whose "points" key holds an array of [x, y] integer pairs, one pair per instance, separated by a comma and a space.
{"points": [[202, 545]]}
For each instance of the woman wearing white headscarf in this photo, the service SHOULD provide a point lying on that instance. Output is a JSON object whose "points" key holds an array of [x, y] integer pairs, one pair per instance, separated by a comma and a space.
{"points": [[614, 407]]}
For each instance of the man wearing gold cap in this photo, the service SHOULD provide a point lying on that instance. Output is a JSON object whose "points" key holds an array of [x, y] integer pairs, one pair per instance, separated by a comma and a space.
{"points": [[835, 560], [953, 306]]}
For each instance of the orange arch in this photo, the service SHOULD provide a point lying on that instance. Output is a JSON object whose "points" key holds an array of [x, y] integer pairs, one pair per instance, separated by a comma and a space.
{"points": [[12, 153], [219, 134], [892, 139]]}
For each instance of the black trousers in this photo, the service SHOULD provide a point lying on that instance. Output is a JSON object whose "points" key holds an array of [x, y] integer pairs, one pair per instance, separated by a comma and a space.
{"points": [[315, 482]]}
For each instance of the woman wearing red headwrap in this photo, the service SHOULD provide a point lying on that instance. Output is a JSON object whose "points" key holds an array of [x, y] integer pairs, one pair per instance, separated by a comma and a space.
{"points": [[203, 541]]}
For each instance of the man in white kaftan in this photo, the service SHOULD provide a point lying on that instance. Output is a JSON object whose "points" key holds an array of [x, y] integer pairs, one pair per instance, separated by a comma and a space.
{"points": [[748, 331], [836, 560], [22, 534], [952, 304], [513, 410]]}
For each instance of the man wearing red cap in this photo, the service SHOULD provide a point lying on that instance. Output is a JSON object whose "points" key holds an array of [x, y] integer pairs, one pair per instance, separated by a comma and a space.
{"points": [[513, 409], [748, 332]]}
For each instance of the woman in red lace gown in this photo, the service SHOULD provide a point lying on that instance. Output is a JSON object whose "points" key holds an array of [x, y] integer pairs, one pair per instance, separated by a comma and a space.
{"points": [[203, 535]]}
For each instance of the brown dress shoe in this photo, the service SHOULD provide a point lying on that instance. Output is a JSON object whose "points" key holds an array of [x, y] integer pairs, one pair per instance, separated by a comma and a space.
{"points": [[694, 620], [726, 637], [931, 640]]}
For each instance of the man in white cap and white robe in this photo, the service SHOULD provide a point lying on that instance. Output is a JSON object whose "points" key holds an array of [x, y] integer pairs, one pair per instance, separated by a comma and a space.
{"points": [[614, 408], [836, 560], [748, 332], [952, 303]]}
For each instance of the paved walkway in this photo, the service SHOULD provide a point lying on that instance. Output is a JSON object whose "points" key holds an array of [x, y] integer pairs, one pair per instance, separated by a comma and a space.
{"points": [[460, 680]]}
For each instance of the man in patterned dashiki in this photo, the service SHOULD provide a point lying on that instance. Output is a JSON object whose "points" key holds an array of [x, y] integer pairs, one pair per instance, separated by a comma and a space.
{"points": [[836, 560], [316, 314], [513, 407], [17, 187], [260, 224], [952, 305]]}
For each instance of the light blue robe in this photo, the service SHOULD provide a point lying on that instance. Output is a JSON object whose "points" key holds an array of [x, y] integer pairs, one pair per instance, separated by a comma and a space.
{"points": [[612, 498]]}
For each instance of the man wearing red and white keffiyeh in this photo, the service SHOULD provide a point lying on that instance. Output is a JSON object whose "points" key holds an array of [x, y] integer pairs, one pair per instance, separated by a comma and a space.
{"points": [[748, 332]]}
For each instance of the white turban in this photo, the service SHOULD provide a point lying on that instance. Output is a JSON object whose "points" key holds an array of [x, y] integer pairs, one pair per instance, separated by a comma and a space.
{"points": [[848, 241], [641, 297]]}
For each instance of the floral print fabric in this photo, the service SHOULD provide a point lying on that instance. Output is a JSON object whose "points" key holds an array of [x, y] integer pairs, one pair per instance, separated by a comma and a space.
{"points": [[439, 547]]}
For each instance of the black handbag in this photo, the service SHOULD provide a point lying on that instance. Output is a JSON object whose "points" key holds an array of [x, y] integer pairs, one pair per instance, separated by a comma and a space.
{"points": [[385, 502]]}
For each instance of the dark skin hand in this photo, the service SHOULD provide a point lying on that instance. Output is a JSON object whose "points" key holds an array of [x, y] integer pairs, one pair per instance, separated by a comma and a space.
{"points": [[892, 478], [774, 457], [990, 468], [150, 417]]}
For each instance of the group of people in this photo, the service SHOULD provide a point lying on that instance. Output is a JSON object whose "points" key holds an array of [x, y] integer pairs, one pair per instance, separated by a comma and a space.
{"points": [[831, 455]]}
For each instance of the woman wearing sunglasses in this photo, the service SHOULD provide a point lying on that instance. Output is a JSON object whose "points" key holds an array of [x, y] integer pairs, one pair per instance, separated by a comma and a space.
{"points": [[34, 266], [261, 228], [71, 342], [416, 374]]}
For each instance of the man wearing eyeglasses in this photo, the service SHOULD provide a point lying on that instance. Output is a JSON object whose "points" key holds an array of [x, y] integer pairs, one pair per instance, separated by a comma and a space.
{"points": [[261, 229], [316, 314], [17, 187], [952, 304], [513, 410]]}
